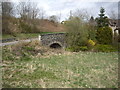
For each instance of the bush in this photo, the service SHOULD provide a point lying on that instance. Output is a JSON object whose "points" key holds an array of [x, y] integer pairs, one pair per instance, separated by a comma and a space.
{"points": [[105, 48], [77, 32], [91, 43], [77, 48], [104, 35]]}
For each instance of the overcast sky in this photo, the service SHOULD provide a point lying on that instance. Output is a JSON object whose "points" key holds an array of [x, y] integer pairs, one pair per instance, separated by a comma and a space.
{"points": [[55, 7]]}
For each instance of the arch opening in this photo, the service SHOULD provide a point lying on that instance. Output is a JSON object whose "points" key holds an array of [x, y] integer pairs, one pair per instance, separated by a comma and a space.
{"points": [[55, 45]]}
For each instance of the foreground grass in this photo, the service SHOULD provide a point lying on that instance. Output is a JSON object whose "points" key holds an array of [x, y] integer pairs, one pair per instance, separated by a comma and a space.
{"points": [[73, 70]]}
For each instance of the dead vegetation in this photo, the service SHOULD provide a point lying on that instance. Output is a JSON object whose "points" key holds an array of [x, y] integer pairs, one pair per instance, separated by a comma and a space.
{"points": [[50, 68], [48, 26], [29, 49], [14, 26]]}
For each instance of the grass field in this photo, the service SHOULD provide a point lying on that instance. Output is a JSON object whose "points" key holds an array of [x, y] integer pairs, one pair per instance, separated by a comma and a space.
{"points": [[62, 70]]}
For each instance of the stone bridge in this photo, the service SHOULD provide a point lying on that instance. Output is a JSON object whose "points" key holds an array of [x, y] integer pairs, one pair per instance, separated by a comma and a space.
{"points": [[53, 40]]}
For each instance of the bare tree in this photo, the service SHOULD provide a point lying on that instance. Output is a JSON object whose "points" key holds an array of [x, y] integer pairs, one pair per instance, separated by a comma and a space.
{"points": [[22, 9], [41, 13], [53, 18], [0, 8], [59, 17], [28, 10], [7, 13], [1, 32], [33, 10], [7, 8], [113, 15], [83, 14]]}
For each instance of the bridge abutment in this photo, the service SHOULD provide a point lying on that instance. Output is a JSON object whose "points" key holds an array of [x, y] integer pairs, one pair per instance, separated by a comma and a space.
{"points": [[53, 40]]}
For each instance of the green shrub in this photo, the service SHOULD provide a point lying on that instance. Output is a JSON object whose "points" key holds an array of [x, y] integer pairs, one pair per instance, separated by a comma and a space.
{"points": [[77, 48], [105, 48], [77, 32], [104, 35]]}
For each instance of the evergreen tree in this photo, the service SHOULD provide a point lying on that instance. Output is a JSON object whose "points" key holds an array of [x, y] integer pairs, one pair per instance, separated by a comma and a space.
{"points": [[92, 18], [104, 32], [102, 21]]}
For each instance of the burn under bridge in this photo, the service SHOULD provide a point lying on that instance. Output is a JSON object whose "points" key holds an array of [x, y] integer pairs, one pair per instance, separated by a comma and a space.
{"points": [[53, 40]]}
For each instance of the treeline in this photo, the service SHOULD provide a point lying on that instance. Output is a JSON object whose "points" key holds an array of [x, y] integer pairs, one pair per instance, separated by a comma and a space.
{"points": [[23, 17]]}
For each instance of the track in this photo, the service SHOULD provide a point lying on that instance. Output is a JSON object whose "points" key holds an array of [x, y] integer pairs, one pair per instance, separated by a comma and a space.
{"points": [[15, 42]]}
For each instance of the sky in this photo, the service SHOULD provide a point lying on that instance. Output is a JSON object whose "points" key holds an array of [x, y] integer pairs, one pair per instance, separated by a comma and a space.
{"points": [[63, 7]]}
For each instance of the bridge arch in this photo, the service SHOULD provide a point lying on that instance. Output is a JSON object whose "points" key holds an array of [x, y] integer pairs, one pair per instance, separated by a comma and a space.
{"points": [[55, 44]]}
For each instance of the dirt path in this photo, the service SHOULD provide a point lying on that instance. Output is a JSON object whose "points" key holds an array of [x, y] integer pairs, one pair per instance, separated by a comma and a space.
{"points": [[15, 42]]}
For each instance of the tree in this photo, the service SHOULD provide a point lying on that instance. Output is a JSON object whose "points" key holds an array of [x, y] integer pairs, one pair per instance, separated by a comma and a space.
{"points": [[7, 13], [53, 18], [102, 20], [41, 13], [0, 19], [28, 10], [7, 9], [104, 32], [113, 15], [34, 12], [22, 10], [0, 8], [59, 17], [77, 32], [92, 20], [83, 14]]}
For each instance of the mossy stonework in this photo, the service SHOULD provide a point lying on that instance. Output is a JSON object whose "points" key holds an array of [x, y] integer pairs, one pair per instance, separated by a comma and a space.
{"points": [[49, 39]]}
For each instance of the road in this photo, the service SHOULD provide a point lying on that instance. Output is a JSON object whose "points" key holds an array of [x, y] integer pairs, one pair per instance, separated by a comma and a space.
{"points": [[15, 42]]}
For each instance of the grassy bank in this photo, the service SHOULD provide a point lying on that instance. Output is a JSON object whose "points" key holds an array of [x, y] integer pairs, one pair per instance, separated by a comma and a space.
{"points": [[24, 35], [58, 69], [20, 36]]}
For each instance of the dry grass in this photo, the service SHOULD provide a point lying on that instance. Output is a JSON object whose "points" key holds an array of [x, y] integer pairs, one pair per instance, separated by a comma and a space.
{"points": [[60, 69], [48, 26]]}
